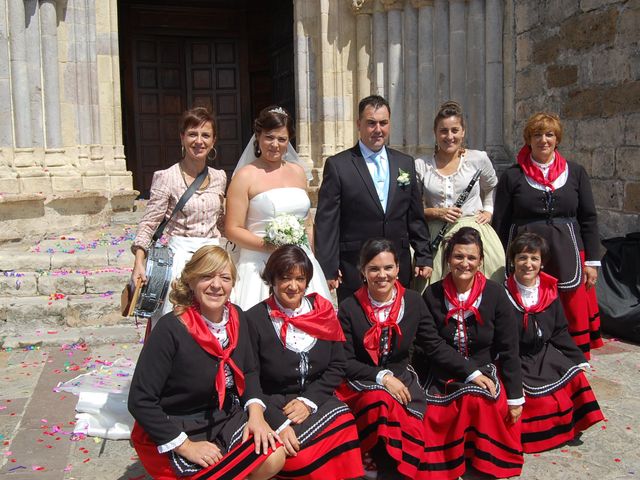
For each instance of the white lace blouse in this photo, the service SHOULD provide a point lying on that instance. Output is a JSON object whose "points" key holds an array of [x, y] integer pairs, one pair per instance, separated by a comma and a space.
{"points": [[442, 191]]}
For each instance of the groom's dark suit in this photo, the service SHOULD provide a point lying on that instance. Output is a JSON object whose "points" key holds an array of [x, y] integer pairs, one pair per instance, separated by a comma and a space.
{"points": [[349, 213]]}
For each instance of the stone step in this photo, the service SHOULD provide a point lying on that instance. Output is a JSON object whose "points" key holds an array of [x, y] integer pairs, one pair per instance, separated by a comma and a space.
{"points": [[109, 280], [59, 310], [69, 280]]}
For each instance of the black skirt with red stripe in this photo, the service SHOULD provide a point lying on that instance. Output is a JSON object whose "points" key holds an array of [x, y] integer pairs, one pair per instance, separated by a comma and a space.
{"points": [[329, 447], [238, 462], [380, 417], [465, 425], [554, 414]]}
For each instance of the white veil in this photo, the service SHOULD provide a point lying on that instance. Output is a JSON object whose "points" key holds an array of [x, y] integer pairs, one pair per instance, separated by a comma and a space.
{"points": [[248, 156]]}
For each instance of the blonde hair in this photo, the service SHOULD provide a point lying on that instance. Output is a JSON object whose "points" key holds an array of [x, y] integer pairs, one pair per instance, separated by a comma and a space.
{"points": [[206, 261], [542, 122]]}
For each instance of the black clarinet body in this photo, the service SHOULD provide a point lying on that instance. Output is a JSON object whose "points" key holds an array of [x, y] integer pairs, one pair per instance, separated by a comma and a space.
{"points": [[459, 202]]}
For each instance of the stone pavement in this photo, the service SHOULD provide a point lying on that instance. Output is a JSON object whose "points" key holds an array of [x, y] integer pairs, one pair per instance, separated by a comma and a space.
{"points": [[35, 422]]}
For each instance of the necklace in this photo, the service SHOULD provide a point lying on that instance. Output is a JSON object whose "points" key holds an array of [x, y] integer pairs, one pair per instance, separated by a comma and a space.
{"points": [[204, 185]]}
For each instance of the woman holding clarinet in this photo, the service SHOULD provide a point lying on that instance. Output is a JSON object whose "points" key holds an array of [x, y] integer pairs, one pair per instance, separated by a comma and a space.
{"points": [[458, 189]]}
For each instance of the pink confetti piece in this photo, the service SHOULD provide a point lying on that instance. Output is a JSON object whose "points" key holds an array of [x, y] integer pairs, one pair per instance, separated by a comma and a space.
{"points": [[37, 468], [617, 460]]}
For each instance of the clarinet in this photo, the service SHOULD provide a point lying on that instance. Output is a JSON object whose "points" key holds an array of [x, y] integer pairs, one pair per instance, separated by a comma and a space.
{"points": [[459, 202]]}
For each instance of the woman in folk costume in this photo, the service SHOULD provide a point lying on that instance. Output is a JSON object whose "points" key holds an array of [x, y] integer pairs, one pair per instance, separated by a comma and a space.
{"points": [[545, 194], [559, 400], [381, 322], [298, 342], [474, 395], [195, 373]]}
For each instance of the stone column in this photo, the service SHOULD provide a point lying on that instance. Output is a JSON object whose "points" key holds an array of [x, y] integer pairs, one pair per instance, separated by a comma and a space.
{"points": [[77, 12], [363, 10], [379, 34], [305, 102], [6, 130], [34, 60], [457, 51], [54, 157], [426, 76], [475, 102], [395, 80], [19, 74], [441, 49], [118, 154], [411, 93], [494, 131], [327, 82]]}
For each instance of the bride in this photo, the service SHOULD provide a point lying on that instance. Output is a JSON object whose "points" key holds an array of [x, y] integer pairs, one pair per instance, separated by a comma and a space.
{"points": [[269, 181]]}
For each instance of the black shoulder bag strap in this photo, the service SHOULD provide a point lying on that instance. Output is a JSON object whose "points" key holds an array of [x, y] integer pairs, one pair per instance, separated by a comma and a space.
{"points": [[183, 199]]}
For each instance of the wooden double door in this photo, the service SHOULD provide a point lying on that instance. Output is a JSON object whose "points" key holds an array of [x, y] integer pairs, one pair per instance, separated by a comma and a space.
{"points": [[171, 75]]}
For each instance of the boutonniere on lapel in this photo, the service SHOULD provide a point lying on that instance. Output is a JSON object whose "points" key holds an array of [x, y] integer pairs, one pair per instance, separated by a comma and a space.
{"points": [[404, 178]]}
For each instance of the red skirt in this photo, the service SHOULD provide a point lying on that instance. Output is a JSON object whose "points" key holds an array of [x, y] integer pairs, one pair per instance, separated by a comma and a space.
{"points": [[583, 316], [380, 417], [237, 463], [471, 429], [551, 420], [333, 453]]}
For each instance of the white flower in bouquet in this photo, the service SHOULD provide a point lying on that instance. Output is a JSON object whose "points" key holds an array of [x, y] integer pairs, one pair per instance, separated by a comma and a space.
{"points": [[286, 229]]}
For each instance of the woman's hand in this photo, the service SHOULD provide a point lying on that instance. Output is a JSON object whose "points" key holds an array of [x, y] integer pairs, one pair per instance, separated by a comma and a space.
{"points": [[590, 276], [139, 267], [201, 453], [297, 411], [485, 382], [290, 441], [514, 413], [263, 435], [397, 389], [450, 214], [483, 217]]}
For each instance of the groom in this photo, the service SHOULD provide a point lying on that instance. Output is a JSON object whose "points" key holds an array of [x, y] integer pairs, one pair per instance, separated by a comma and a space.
{"points": [[369, 191]]}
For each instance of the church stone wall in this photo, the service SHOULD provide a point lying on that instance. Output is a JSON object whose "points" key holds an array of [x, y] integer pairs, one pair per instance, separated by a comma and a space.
{"points": [[581, 59]]}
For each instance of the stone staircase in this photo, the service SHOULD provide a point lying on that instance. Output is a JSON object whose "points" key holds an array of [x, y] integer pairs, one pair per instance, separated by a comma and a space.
{"points": [[66, 281]]}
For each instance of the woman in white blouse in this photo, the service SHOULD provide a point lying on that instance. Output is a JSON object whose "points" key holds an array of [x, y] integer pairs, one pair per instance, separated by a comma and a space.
{"points": [[444, 177]]}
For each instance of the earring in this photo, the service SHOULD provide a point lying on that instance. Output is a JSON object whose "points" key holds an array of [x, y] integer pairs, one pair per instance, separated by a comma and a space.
{"points": [[256, 149], [215, 154], [541, 267], [183, 151], [436, 148]]}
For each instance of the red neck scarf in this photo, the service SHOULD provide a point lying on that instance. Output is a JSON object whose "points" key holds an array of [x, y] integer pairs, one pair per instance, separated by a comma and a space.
{"points": [[451, 294], [547, 293], [321, 322], [530, 170], [200, 332], [372, 336]]}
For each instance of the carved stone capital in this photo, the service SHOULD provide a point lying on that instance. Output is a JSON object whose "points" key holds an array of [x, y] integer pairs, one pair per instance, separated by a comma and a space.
{"points": [[362, 7], [393, 4]]}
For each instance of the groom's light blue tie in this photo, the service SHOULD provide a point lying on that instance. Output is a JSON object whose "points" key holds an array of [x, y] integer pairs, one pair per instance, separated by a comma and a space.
{"points": [[380, 178]]}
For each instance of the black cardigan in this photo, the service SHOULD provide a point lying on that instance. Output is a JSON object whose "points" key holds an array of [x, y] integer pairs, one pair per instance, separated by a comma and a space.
{"points": [[417, 329], [568, 222], [496, 338], [278, 366], [175, 377]]}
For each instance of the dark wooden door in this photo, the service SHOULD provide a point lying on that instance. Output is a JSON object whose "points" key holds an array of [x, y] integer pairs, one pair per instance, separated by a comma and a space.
{"points": [[171, 74]]}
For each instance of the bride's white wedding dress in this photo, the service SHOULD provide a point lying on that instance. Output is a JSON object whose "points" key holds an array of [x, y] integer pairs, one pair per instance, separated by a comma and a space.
{"points": [[263, 208]]}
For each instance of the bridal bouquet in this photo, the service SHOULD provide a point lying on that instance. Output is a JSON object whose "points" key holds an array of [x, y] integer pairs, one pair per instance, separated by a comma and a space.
{"points": [[286, 229]]}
